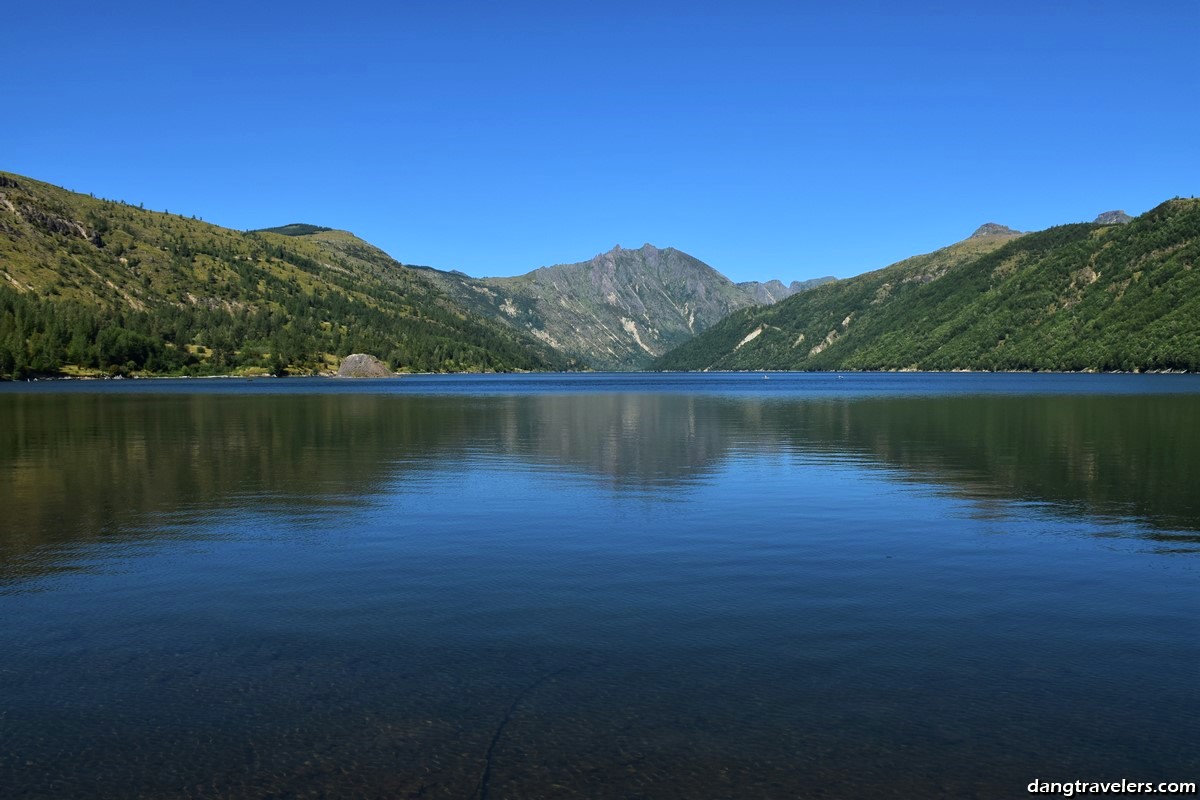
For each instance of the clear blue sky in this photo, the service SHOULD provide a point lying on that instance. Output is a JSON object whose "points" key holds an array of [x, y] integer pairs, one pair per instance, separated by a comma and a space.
{"points": [[781, 140]]}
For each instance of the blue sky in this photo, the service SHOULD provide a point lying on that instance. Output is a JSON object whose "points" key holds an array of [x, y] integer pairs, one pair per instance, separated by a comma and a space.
{"points": [[781, 140]]}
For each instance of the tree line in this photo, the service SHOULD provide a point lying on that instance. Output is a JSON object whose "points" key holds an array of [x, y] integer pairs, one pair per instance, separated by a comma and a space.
{"points": [[44, 337]]}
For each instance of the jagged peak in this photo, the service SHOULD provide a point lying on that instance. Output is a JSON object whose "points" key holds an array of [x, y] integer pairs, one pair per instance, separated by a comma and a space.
{"points": [[993, 229], [645, 249], [1113, 218]]}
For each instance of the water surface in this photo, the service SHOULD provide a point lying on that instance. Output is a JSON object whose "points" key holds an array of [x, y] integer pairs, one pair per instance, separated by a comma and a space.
{"points": [[598, 586]]}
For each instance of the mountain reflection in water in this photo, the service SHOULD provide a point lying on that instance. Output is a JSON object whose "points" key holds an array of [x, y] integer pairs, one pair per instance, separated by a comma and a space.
{"points": [[662, 587], [79, 466]]}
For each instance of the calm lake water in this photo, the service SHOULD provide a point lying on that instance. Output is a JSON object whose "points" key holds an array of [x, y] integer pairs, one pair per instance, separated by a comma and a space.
{"points": [[620, 586]]}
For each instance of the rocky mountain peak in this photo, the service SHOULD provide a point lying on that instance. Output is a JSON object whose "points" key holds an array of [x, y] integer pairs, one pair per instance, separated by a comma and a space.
{"points": [[1113, 218], [772, 291], [646, 249], [993, 229]]}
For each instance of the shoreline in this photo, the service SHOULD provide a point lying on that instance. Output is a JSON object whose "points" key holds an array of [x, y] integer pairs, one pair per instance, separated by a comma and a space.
{"points": [[335, 376]]}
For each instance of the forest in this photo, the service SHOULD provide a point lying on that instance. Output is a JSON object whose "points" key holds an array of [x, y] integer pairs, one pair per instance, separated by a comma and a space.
{"points": [[1081, 297], [99, 287]]}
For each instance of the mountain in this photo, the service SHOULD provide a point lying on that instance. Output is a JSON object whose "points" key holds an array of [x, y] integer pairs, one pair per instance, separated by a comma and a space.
{"points": [[1074, 297], [96, 285], [1113, 218], [990, 229], [619, 310], [773, 291]]}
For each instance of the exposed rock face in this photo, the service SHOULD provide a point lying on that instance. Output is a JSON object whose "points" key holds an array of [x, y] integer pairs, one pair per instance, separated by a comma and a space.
{"points": [[993, 229], [361, 365], [774, 291], [619, 310], [1113, 218], [52, 223], [765, 292]]}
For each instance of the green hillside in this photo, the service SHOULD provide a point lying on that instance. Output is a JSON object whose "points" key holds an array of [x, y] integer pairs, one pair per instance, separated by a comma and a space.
{"points": [[1074, 297], [295, 229], [89, 285]]}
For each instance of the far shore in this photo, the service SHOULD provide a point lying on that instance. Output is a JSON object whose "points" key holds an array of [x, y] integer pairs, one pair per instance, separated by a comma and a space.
{"points": [[764, 372]]}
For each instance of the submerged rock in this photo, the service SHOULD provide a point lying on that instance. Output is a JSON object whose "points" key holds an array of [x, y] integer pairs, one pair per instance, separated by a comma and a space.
{"points": [[361, 365]]}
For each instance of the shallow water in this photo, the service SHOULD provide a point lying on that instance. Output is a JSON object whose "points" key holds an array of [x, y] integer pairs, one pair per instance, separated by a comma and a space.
{"points": [[598, 586]]}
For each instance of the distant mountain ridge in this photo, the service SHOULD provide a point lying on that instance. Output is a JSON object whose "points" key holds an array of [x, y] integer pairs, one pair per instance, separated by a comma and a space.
{"points": [[773, 291], [171, 294], [618, 310], [90, 285], [1118, 296]]}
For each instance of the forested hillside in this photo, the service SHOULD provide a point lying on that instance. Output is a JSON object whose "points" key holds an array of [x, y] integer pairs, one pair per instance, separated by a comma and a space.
{"points": [[1075, 297], [89, 285]]}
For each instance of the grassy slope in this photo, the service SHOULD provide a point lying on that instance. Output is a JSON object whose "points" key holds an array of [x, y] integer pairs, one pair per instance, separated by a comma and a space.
{"points": [[325, 289], [1072, 297]]}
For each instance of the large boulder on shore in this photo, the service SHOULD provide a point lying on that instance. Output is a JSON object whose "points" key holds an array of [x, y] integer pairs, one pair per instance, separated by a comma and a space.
{"points": [[361, 365]]}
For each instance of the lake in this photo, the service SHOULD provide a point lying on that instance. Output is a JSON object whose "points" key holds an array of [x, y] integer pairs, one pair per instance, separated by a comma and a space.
{"points": [[602, 586]]}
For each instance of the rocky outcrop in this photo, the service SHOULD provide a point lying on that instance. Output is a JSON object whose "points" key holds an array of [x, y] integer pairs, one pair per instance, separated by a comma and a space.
{"points": [[360, 365], [53, 223], [993, 229], [773, 291], [1113, 218]]}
